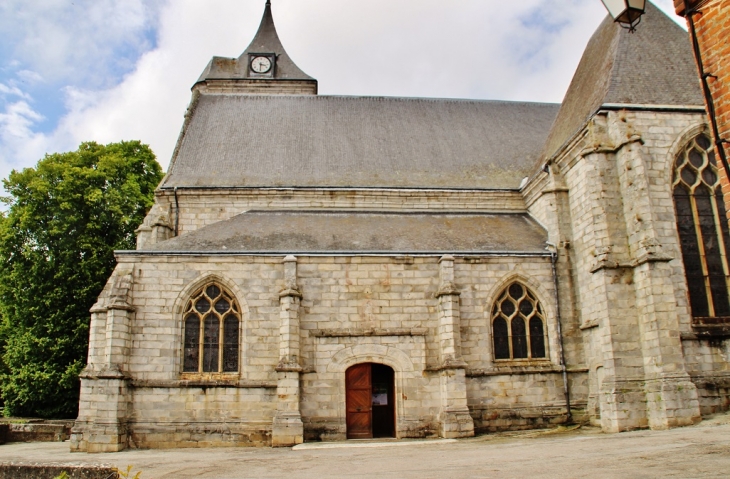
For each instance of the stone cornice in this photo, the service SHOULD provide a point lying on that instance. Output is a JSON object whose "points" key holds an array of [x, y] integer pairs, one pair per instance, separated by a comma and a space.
{"points": [[355, 332], [288, 364], [517, 370], [448, 289], [449, 364], [202, 383], [611, 148], [634, 263], [105, 372], [290, 292]]}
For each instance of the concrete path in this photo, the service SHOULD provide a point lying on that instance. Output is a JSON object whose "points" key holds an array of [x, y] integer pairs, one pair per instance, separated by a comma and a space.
{"points": [[701, 451]]}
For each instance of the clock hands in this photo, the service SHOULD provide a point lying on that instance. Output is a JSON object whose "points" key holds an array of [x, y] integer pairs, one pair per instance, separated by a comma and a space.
{"points": [[261, 64]]}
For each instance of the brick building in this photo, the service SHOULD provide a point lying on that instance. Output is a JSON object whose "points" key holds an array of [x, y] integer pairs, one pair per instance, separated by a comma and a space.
{"points": [[322, 268]]}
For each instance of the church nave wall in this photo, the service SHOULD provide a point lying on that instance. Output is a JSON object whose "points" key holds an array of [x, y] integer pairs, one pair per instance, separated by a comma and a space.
{"points": [[353, 310]]}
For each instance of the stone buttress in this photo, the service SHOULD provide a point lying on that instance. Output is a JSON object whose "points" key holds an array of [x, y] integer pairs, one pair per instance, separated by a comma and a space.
{"points": [[454, 417], [105, 385], [288, 429]]}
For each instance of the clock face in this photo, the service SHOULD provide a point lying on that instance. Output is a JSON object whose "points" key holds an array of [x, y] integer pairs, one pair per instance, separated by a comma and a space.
{"points": [[261, 65]]}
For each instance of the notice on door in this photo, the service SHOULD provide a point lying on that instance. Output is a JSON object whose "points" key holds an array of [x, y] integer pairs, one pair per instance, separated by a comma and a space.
{"points": [[380, 395]]}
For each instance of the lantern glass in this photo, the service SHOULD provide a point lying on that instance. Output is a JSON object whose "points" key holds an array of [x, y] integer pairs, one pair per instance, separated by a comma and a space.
{"points": [[626, 12], [615, 8], [637, 5]]}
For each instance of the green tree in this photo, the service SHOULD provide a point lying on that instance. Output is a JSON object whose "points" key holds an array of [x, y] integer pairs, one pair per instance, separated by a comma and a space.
{"points": [[65, 218]]}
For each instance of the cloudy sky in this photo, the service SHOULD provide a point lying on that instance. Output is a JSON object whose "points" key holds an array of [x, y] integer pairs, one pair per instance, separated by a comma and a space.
{"points": [[110, 70]]}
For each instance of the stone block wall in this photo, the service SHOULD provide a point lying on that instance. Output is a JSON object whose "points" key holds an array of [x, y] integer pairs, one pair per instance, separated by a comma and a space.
{"points": [[708, 361], [204, 416], [34, 430], [484, 279], [500, 402], [323, 389], [353, 310], [621, 254], [15, 470], [160, 405], [364, 294]]}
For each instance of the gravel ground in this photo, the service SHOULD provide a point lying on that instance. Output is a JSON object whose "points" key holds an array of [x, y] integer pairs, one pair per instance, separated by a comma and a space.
{"points": [[691, 452]]}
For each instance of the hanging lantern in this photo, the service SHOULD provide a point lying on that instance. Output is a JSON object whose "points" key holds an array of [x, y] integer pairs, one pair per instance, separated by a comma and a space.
{"points": [[626, 13]]}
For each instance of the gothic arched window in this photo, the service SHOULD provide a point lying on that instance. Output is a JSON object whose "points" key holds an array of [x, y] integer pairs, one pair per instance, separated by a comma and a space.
{"points": [[518, 324], [703, 229], [211, 321]]}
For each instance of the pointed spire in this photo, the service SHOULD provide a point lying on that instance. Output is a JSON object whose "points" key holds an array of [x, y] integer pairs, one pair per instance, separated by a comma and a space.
{"points": [[265, 43]]}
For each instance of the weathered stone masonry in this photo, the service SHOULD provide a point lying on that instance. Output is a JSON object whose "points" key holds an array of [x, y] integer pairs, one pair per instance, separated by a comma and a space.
{"points": [[399, 312]]}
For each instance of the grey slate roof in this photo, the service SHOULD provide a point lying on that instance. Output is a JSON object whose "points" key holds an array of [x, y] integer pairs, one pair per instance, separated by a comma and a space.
{"points": [[299, 232], [653, 66], [239, 140], [265, 41]]}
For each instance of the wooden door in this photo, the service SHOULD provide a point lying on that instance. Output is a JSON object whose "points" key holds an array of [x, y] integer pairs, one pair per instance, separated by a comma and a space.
{"points": [[358, 384]]}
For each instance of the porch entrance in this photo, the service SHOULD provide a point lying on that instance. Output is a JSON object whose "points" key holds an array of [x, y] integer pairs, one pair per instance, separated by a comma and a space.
{"points": [[370, 401]]}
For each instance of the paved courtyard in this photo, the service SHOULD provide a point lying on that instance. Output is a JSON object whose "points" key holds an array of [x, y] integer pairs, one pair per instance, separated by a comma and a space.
{"points": [[693, 452]]}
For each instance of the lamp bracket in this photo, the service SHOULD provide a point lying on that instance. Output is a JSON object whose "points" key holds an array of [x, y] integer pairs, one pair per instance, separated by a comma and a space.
{"points": [[630, 27]]}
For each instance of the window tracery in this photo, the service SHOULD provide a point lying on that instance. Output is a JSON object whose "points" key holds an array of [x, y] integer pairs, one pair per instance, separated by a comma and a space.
{"points": [[518, 325], [211, 337], [703, 229]]}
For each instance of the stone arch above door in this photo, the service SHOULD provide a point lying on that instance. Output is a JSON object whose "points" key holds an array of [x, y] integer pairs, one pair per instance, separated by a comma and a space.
{"points": [[370, 353]]}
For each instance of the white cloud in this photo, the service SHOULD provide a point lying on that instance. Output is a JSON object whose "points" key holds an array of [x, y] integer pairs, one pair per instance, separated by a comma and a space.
{"points": [[424, 48], [17, 137], [76, 40], [18, 119], [12, 90], [50, 49], [29, 76]]}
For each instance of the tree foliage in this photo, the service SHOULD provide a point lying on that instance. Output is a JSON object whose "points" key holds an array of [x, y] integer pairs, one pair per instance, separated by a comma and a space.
{"points": [[65, 218]]}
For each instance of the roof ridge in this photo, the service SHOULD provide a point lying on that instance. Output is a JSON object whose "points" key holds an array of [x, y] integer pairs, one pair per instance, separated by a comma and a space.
{"points": [[381, 212], [393, 98]]}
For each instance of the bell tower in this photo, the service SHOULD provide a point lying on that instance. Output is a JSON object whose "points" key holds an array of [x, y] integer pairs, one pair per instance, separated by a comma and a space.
{"points": [[264, 68]]}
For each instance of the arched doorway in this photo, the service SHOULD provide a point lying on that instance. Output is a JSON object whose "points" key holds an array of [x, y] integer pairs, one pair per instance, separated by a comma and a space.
{"points": [[370, 401]]}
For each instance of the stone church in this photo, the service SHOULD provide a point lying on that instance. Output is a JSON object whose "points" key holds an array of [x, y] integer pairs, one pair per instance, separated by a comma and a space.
{"points": [[322, 268]]}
